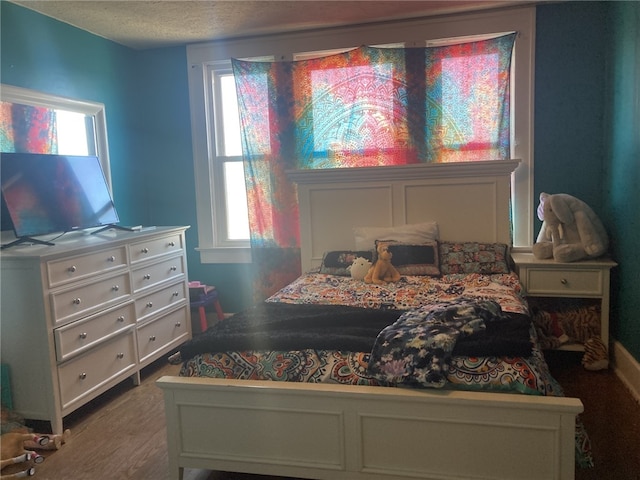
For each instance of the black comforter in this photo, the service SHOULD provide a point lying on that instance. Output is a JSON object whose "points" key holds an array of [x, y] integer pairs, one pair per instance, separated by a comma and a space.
{"points": [[283, 327]]}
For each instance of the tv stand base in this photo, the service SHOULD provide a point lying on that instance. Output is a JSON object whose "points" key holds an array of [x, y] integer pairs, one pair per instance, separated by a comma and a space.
{"points": [[26, 240]]}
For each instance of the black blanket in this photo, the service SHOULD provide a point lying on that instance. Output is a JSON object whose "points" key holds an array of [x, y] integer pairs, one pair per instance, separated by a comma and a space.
{"points": [[283, 327]]}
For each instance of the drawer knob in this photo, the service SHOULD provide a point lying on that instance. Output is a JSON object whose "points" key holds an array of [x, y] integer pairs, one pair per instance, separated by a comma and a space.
{"points": [[149, 304], [76, 301], [146, 276], [120, 318], [172, 244], [178, 324], [72, 269], [120, 355], [83, 335], [152, 338], [115, 288], [175, 294], [173, 268], [111, 259], [145, 250], [564, 281], [82, 376]]}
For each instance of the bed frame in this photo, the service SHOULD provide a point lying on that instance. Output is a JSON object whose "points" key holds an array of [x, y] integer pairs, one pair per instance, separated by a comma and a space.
{"points": [[339, 432]]}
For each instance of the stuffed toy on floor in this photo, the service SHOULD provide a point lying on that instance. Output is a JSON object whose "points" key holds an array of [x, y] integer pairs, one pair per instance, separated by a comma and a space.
{"points": [[570, 230], [16, 448]]}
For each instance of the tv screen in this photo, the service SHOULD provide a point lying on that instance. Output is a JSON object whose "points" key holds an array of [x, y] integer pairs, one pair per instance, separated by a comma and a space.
{"points": [[55, 193]]}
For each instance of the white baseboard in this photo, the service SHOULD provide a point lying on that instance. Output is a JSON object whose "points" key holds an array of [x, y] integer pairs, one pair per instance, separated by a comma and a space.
{"points": [[626, 368]]}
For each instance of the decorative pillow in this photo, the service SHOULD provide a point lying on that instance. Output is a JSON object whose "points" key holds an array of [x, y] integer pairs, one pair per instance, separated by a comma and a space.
{"points": [[336, 262], [473, 257], [416, 233], [415, 259]]}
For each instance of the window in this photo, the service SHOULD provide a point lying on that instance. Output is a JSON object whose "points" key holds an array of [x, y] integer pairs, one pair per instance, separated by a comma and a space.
{"points": [[218, 165]]}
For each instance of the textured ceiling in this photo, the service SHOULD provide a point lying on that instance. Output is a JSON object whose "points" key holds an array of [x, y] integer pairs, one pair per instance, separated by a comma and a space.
{"points": [[142, 24]]}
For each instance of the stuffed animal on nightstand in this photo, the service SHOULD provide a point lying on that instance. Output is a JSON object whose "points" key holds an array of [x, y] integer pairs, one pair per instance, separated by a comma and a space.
{"points": [[570, 230], [382, 271]]}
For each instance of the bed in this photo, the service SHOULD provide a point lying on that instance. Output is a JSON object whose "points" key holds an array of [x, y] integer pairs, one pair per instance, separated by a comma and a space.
{"points": [[333, 414]]}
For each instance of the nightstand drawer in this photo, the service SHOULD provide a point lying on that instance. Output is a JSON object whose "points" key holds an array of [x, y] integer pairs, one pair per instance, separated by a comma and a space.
{"points": [[548, 281]]}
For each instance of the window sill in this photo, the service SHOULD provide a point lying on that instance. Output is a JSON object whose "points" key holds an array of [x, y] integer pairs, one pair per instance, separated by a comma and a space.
{"points": [[224, 254]]}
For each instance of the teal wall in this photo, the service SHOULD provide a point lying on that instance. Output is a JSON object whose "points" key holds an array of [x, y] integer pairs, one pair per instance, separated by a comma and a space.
{"points": [[583, 132], [622, 175]]}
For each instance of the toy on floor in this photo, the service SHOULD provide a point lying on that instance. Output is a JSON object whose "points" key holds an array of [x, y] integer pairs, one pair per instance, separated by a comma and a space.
{"points": [[382, 270], [16, 447]]}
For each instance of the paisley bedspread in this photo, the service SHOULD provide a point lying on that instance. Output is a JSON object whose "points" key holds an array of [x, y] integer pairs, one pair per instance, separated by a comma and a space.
{"points": [[522, 374]]}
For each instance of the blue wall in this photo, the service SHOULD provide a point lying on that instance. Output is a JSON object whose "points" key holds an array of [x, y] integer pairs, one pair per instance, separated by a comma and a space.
{"points": [[622, 174], [583, 130]]}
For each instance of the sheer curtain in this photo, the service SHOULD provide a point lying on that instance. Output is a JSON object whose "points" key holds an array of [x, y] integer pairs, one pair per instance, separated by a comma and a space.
{"points": [[27, 129], [366, 107]]}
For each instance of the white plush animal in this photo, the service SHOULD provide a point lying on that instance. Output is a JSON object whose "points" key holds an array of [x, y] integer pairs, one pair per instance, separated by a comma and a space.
{"points": [[359, 268]]}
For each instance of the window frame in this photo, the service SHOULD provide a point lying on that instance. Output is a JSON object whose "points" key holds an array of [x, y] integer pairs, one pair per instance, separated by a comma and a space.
{"points": [[35, 98], [200, 57]]}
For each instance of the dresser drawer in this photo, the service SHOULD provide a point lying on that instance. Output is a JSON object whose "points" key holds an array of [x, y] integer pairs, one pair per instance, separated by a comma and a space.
{"points": [[569, 282], [85, 299], [106, 363], [156, 273], [156, 302], [160, 333], [81, 335], [155, 247], [70, 269]]}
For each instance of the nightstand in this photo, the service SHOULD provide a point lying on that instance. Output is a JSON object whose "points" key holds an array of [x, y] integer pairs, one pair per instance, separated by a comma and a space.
{"points": [[588, 279]]}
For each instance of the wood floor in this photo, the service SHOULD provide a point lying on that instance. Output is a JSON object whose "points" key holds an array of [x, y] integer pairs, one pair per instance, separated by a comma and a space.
{"points": [[121, 435]]}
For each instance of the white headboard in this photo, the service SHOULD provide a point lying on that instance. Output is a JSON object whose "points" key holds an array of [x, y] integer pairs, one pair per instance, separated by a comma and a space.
{"points": [[470, 202]]}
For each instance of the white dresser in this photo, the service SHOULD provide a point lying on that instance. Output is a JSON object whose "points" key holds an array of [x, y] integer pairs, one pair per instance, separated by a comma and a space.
{"points": [[83, 315]]}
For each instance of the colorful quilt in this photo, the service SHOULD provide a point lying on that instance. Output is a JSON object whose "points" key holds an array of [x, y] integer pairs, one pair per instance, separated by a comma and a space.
{"points": [[516, 374]]}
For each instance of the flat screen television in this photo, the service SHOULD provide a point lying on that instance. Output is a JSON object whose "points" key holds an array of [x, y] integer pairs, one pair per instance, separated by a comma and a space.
{"points": [[55, 193]]}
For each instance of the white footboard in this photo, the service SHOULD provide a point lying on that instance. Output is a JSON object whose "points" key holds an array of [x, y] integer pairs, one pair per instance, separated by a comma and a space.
{"points": [[338, 432]]}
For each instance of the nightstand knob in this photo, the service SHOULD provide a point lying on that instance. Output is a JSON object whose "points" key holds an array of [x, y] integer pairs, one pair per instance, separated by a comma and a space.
{"points": [[82, 376], [564, 281], [76, 301], [83, 335], [72, 269]]}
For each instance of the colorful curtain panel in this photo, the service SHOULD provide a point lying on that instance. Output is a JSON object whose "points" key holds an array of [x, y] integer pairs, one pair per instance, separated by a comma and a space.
{"points": [[366, 107], [27, 129]]}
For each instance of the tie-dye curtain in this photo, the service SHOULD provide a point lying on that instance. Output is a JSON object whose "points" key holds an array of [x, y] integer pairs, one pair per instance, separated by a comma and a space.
{"points": [[27, 129], [366, 107]]}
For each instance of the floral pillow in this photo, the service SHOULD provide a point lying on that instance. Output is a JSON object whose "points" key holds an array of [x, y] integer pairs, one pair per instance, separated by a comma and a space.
{"points": [[473, 257], [337, 262]]}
